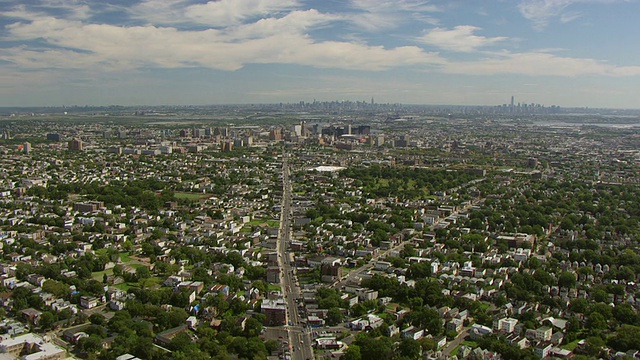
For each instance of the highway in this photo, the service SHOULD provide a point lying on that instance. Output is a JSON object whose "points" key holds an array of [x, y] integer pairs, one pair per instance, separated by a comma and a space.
{"points": [[300, 343]]}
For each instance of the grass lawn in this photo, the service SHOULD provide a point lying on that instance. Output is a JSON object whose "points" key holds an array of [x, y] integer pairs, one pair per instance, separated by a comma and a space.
{"points": [[273, 287], [102, 251], [469, 343], [149, 283], [125, 286], [98, 275], [571, 346], [124, 257], [269, 222], [190, 196], [455, 351]]}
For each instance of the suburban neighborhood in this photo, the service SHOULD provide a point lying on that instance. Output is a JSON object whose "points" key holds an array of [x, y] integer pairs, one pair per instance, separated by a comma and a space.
{"points": [[337, 231]]}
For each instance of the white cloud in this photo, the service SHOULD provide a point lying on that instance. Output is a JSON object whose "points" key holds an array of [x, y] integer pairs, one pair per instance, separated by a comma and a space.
{"points": [[281, 41], [395, 5], [296, 22], [73, 9], [461, 38], [569, 17], [539, 64], [378, 15], [540, 12], [230, 12], [217, 14]]}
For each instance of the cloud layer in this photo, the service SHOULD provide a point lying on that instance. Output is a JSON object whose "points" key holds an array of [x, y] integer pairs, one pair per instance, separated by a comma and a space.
{"points": [[82, 39]]}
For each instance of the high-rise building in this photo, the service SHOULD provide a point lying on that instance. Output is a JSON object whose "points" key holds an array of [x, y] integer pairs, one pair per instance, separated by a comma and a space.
{"points": [[27, 148], [378, 140], [226, 146], [198, 133], [75, 144], [54, 137], [275, 134]]}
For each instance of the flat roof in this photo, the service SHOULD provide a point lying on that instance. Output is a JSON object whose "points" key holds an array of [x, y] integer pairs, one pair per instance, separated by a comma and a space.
{"points": [[325, 168]]}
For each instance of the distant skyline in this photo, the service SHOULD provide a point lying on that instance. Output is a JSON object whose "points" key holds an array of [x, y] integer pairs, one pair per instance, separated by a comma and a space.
{"points": [[571, 53]]}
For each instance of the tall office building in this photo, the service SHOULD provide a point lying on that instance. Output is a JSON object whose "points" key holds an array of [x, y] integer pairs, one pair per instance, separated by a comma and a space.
{"points": [[198, 133], [226, 146], [75, 144], [275, 134], [27, 148], [54, 137]]}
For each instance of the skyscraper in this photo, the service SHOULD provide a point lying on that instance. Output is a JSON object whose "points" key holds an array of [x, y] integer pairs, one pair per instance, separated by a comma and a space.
{"points": [[75, 144], [27, 148]]}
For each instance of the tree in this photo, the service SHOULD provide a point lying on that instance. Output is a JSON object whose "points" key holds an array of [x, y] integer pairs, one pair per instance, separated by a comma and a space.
{"points": [[419, 271], [408, 251], [90, 344], [596, 322], [118, 270], [428, 343], [426, 318], [625, 314], [148, 249], [56, 288], [352, 353], [626, 338], [182, 342], [334, 316], [142, 272], [579, 305], [566, 280], [253, 327], [47, 319], [97, 319], [234, 258], [410, 348], [255, 272], [375, 349], [593, 345], [358, 310]]}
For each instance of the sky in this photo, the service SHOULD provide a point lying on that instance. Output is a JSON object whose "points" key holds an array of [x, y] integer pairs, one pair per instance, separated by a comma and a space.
{"points": [[570, 53]]}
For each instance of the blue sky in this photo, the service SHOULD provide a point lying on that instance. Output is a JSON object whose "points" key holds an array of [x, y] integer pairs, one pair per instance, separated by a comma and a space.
{"points": [[467, 52]]}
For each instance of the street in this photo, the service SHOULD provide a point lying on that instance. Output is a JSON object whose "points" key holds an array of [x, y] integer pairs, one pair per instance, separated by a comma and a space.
{"points": [[299, 340]]}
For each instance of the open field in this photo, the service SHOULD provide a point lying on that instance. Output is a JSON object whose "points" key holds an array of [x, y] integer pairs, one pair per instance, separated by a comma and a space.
{"points": [[190, 196]]}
